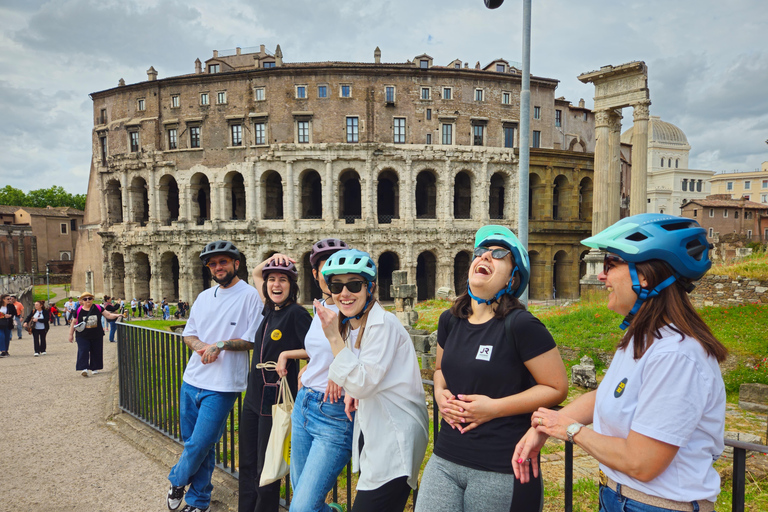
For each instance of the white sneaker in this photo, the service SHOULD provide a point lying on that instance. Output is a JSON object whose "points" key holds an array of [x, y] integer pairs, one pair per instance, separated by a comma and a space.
{"points": [[84, 373], [36, 354], [43, 353], [94, 372]]}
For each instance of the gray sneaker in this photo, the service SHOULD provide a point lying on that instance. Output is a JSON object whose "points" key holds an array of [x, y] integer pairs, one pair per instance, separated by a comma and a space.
{"points": [[175, 496], [190, 508]]}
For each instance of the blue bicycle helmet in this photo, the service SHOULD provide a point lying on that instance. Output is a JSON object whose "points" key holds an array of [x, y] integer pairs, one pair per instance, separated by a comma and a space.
{"points": [[499, 235], [679, 242], [352, 261]]}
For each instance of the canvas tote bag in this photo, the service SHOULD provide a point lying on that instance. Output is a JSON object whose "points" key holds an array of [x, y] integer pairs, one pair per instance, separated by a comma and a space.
{"points": [[278, 457]]}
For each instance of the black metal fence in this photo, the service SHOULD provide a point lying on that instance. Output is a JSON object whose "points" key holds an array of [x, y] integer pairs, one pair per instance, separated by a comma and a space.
{"points": [[150, 368]]}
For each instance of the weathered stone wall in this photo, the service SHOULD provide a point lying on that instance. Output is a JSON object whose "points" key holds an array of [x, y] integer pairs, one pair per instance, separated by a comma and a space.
{"points": [[715, 290], [18, 249]]}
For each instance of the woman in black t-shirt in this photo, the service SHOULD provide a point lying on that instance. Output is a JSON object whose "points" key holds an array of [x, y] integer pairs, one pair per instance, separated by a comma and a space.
{"points": [[89, 334], [283, 328], [496, 364]]}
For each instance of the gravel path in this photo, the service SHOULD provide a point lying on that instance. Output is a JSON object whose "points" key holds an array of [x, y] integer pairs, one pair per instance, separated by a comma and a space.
{"points": [[57, 450]]}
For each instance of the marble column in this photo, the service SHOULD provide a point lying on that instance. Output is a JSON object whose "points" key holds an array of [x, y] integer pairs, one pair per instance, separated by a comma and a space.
{"points": [[288, 192], [250, 194], [614, 176], [638, 198], [329, 212], [125, 198], [602, 169]]}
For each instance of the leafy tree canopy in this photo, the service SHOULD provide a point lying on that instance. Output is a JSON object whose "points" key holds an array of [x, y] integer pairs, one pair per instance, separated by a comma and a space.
{"points": [[55, 196]]}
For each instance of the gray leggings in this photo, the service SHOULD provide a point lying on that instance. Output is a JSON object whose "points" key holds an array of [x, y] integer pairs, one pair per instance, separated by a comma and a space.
{"points": [[446, 486]]}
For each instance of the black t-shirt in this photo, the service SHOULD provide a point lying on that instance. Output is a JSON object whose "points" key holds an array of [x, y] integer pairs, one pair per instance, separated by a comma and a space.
{"points": [[112, 307], [479, 359], [280, 330], [92, 319]]}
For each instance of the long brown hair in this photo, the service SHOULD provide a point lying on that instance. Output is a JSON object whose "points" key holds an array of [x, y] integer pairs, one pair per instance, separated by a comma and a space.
{"points": [[462, 306], [671, 306], [344, 327]]}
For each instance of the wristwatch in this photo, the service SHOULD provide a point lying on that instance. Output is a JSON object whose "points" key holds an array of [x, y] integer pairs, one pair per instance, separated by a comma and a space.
{"points": [[220, 345], [572, 430]]}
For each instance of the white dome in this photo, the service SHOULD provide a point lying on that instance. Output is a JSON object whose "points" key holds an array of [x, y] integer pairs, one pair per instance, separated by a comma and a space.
{"points": [[660, 132]]}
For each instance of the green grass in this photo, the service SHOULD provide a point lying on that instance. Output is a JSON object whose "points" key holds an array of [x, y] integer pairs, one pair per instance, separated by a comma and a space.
{"points": [[163, 325], [754, 266]]}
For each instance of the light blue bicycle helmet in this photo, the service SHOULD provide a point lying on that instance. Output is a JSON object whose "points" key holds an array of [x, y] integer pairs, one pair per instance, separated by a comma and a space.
{"points": [[352, 261], [499, 235], [679, 242]]}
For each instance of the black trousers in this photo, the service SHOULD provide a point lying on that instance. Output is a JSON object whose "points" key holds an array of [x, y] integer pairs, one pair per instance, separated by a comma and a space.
{"points": [[90, 353], [38, 338], [254, 436], [390, 497]]}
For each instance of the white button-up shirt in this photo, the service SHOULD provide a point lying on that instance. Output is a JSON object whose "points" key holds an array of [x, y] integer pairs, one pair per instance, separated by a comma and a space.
{"points": [[392, 414]]}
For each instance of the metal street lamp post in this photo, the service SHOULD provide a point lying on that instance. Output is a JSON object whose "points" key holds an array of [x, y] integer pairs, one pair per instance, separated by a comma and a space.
{"points": [[47, 285], [525, 129]]}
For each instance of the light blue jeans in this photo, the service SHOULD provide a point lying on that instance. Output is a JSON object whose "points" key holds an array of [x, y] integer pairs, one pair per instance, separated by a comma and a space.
{"points": [[321, 445], [203, 419], [610, 501]]}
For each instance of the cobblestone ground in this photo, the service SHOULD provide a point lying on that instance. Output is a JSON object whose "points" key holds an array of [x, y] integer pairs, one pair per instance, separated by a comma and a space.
{"points": [[57, 450]]}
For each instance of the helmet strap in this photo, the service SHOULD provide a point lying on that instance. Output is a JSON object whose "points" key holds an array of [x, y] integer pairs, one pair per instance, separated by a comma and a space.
{"points": [[643, 294], [368, 299], [506, 290]]}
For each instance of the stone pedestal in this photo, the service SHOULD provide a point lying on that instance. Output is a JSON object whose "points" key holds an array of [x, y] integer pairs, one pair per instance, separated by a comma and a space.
{"points": [[404, 295], [584, 374]]}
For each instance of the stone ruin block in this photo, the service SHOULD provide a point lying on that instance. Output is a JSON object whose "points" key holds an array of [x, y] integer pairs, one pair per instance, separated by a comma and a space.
{"points": [[399, 277], [754, 397], [403, 291], [584, 374], [444, 293]]}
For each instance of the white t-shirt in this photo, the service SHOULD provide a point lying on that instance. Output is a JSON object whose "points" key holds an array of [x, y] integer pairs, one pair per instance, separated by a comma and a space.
{"points": [[221, 314], [39, 318], [674, 394], [320, 355]]}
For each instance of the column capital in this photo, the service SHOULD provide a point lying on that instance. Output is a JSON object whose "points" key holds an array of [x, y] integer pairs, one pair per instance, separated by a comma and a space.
{"points": [[614, 120], [641, 110], [602, 118]]}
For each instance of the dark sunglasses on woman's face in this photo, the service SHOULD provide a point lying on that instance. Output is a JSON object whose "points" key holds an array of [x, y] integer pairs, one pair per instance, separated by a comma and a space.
{"points": [[496, 253], [352, 286], [610, 261]]}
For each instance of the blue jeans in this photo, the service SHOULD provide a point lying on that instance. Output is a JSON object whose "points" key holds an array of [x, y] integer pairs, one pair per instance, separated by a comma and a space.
{"points": [[19, 323], [203, 419], [321, 445], [610, 501], [112, 330], [5, 339]]}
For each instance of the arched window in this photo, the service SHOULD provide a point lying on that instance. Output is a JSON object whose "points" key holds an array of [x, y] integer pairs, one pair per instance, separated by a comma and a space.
{"points": [[114, 198], [559, 211], [311, 195], [387, 197], [388, 263], [496, 199], [426, 272], [585, 199], [168, 201], [273, 195], [461, 271], [426, 195], [462, 196], [234, 196], [140, 200], [201, 198], [350, 196]]}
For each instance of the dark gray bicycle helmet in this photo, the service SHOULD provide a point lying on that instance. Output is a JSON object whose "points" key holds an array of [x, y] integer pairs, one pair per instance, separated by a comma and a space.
{"points": [[281, 268], [324, 248], [219, 247]]}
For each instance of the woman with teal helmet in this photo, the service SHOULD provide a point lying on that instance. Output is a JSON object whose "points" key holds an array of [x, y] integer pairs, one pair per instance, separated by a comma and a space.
{"points": [[496, 364], [659, 413], [375, 362]]}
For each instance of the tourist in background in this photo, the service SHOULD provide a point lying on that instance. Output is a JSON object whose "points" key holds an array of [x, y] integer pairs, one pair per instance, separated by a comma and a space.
{"points": [[112, 308], [38, 321], [7, 313], [496, 363], [69, 310], [659, 413], [54, 314], [19, 318], [86, 328]]}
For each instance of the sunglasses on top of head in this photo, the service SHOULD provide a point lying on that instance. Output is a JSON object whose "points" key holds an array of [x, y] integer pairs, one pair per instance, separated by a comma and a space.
{"points": [[496, 253], [352, 286], [610, 261]]}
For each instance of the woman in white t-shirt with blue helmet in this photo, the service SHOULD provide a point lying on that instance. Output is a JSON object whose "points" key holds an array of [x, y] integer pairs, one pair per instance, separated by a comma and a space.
{"points": [[659, 413]]}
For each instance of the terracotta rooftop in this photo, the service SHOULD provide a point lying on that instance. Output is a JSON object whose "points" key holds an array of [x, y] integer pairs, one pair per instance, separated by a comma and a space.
{"points": [[61, 211], [729, 203], [8, 210]]}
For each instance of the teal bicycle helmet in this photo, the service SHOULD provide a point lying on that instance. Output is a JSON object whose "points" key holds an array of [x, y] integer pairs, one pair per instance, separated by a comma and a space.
{"points": [[499, 235], [679, 242], [352, 261]]}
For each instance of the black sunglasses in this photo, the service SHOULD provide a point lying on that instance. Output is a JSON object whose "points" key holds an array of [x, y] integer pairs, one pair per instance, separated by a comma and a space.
{"points": [[496, 253], [352, 286], [610, 261]]}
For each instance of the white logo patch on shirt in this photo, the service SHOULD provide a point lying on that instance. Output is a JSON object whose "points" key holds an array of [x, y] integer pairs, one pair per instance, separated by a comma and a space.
{"points": [[484, 352]]}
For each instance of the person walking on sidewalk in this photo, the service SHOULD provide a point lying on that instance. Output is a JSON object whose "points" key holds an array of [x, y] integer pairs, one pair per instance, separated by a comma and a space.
{"points": [[38, 321], [19, 314], [86, 328], [54, 314], [69, 308], [112, 308], [7, 312], [220, 331]]}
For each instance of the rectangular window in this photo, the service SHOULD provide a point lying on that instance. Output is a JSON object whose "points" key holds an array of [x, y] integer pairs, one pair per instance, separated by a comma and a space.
{"points": [[736, 214], [301, 92], [194, 136], [63, 228], [748, 214], [747, 197], [213, 68], [765, 182], [429, 138], [536, 139], [425, 93], [303, 132], [73, 224], [237, 134], [103, 118], [747, 185], [729, 185], [447, 134], [457, 66], [389, 92], [749, 233], [398, 130], [447, 93], [175, 101], [221, 97], [537, 112], [764, 198], [322, 91], [172, 139], [585, 116], [478, 133], [260, 130], [352, 129], [500, 68], [695, 212], [103, 146], [134, 141], [685, 185], [259, 94], [269, 65], [725, 214], [204, 99], [711, 212], [346, 91], [558, 118], [698, 186], [478, 95], [509, 136], [429, 114], [424, 64], [506, 98], [711, 232], [141, 105]]}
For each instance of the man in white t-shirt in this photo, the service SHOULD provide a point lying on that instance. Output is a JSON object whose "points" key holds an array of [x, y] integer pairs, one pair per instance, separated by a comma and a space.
{"points": [[221, 329], [70, 309]]}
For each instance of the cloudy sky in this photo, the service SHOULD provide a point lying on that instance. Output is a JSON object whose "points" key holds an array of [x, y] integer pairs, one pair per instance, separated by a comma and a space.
{"points": [[707, 60]]}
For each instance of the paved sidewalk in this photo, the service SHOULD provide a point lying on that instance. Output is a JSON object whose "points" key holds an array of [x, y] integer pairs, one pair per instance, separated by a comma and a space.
{"points": [[57, 451]]}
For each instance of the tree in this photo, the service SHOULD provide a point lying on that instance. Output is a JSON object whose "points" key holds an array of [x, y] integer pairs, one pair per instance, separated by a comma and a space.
{"points": [[10, 196], [55, 196]]}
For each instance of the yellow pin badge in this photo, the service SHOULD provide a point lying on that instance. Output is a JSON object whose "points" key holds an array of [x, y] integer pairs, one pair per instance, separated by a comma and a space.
{"points": [[276, 334]]}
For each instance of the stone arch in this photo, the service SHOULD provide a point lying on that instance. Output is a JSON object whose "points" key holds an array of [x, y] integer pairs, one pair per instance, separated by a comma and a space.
{"points": [[169, 271], [168, 200], [311, 195], [242, 270], [560, 271], [350, 196], [426, 274], [139, 196], [577, 145], [387, 196], [388, 263], [536, 199], [114, 199], [272, 184], [234, 196], [497, 197], [426, 195], [462, 195], [117, 265], [142, 275], [309, 287], [559, 198], [201, 198], [585, 199], [461, 263]]}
